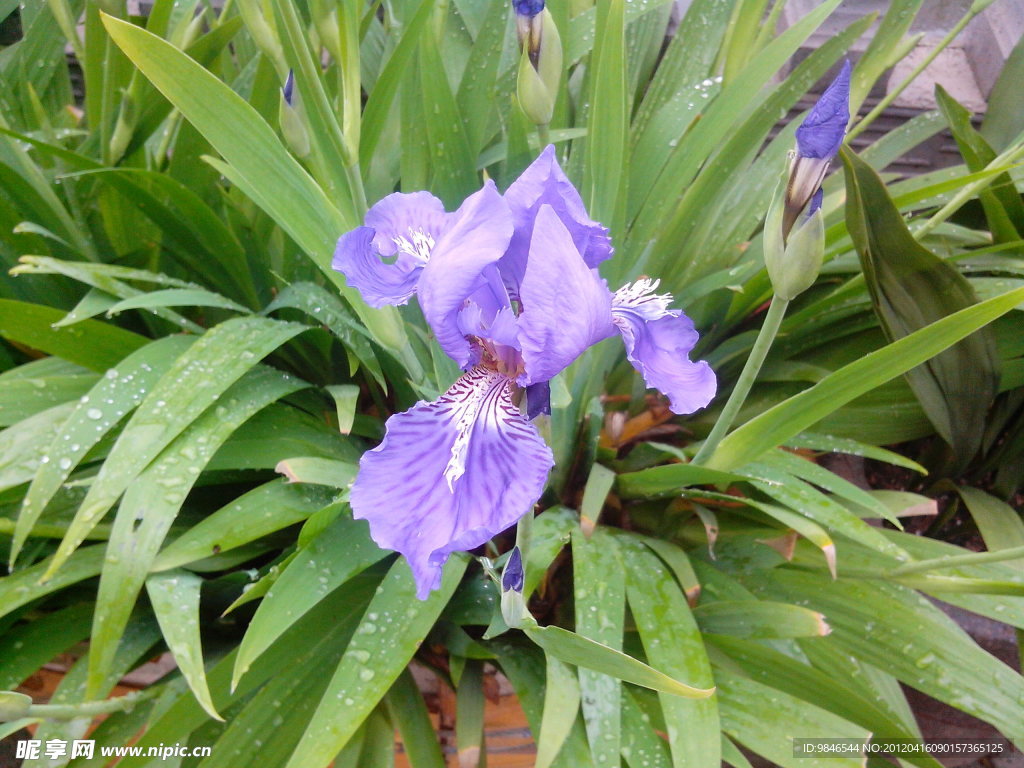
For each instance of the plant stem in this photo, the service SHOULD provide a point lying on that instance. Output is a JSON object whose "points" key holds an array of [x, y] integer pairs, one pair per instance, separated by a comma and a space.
{"points": [[90, 708], [765, 337], [524, 533], [952, 561], [543, 136]]}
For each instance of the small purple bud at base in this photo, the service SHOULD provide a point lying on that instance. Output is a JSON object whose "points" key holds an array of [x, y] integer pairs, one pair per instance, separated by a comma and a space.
{"points": [[512, 577], [528, 7], [289, 88]]}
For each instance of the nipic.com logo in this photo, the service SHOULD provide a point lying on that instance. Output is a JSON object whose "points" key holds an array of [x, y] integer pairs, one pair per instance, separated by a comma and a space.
{"points": [[52, 749]]}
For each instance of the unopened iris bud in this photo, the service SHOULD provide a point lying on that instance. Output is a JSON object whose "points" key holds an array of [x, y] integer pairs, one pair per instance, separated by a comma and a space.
{"points": [[817, 141], [513, 605], [540, 66], [292, 127]]}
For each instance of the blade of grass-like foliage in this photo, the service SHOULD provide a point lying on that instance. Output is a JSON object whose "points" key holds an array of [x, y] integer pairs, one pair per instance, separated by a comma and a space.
{"points": [[817, 687], [999, 523], [796, 414], [24, 586], [828, 481], [409, 713], [27, 647], [885, 47], [346, 400], [324, 307], [469, 714], [1004, 210], [477, 89], [761, 619], [524, 666], [92, 344], [898, 631], [452, 162], [192, 384], [262, 511], [176, 297], [343, 550], [317, 471], [641, 746], [672, 643], [660, 188], [23, 445], [668, 479], [561, 705], [910, 288], [394, 625], [137, 640], [123, 391], [321, 634], [265, 170], [729, 160], [1003, 122], [766, 721], [27, 389], [382, 98], [101, 280], [175, 599], [807, 500], [154, 498], [678, 561], [604, 184], [95, 302], [819, 442], [599, 589]]}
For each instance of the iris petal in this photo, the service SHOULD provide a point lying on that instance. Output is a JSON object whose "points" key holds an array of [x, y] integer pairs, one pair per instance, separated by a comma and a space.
{"points": [[658, 343], [821, 134], [477, 237], [383, 260], [451, 474], [544, 183], [566, 306]]}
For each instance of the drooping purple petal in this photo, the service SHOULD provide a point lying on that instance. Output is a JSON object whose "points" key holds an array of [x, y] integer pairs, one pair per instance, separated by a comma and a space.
{"points": [[383, 260], [451, 474], [566, 307], [821, 134], [658, 343], [544, 183], [476, 238]]}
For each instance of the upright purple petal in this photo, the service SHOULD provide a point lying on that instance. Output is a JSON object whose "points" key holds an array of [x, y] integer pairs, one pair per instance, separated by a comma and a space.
{"points": [[451, 474], [566, 307], [383, 260], [477, 237], [821, 134], [544, 183], [658, 343]]}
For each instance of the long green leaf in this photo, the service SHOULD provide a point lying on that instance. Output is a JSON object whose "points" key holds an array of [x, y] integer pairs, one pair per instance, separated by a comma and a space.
{"points": [[394, 625], [800, 412]]}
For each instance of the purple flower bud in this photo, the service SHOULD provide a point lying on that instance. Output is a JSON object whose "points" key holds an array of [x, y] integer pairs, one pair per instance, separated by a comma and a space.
{"points": [[289, 88], [538, 400], [512, 577], [528, 8], [821, 134]]}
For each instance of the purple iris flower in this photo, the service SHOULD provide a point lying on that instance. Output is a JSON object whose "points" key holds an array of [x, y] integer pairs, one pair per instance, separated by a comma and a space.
{"points": [[818, 139], [509, 286]]}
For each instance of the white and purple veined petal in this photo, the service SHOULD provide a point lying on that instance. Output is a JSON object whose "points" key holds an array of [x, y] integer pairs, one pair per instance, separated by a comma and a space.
{"points": [[566, 306], [658, 343], [476, 238], [451, 474], [384, 259], [544, 183]]}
